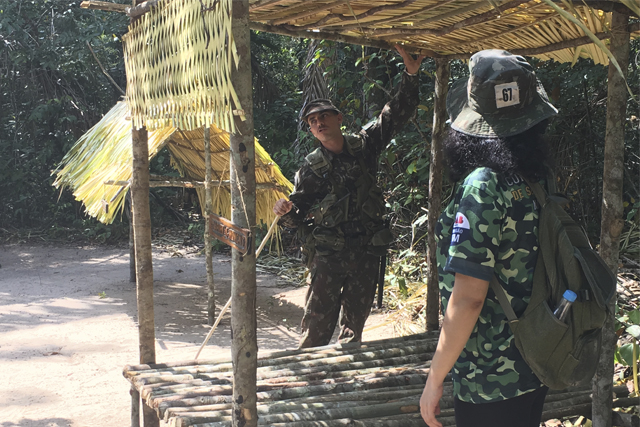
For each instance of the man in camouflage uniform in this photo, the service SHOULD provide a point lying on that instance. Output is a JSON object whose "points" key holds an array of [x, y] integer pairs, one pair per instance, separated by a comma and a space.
{"points": [[338, 208], [489, 228]]}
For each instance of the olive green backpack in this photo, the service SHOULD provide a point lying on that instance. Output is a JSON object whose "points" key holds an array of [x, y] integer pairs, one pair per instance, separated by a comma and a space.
{"points": [[562, 354]]}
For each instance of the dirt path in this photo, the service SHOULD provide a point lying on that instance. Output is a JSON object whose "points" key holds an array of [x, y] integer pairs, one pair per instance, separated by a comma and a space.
{"points": [[68, 327]]}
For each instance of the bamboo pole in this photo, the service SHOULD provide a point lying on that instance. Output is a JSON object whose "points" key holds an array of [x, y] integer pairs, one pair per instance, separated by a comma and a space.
{"points": [[142, 242], [135, 407], [213, 327], [211, 291], [265, 3], [141, 8], [228, 304], [385, 394], [176, 182], [435, 190], [143, 259], [419, 342], [328, 35], [107, 6], [244, 345], [169, 390], [403, 411], [291, 391], [612, 209], [309, 11], [144, 263], [369, 397]]}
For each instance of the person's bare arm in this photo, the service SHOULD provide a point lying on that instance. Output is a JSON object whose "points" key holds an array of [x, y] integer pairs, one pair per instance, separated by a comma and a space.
{"points": [[411, 64], [460, 318]]}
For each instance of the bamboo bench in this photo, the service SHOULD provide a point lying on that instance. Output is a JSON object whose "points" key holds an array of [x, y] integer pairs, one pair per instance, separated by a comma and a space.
{"points": [[376, 383]]}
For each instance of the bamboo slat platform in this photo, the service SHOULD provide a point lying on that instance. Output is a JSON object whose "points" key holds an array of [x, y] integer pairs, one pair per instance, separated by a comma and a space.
{"points": [[375, 383]]}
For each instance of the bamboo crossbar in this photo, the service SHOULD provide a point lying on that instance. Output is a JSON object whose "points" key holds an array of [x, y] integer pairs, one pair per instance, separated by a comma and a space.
{"points": [[374, 384], [197, 184]]}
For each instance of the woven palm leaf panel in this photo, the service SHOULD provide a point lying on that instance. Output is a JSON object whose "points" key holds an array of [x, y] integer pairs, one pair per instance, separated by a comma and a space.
{"points": [[376, 384], [451, 28], [104, 154], [178, 61]]}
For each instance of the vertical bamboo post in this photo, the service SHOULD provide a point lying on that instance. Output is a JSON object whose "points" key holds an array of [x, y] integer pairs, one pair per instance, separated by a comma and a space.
{"points": [[612, 208], [244, 346], [143, 260], [135, 407], [435, 190], [132, 255], [211, 300], [144, 263], [132, 248]]}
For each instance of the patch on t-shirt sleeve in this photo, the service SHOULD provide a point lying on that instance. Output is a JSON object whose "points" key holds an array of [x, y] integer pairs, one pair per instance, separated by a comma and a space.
{"points": [[460, 231]]}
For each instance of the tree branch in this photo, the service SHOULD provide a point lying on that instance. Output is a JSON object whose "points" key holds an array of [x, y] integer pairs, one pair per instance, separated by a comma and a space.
{"points": [[105, 71]]}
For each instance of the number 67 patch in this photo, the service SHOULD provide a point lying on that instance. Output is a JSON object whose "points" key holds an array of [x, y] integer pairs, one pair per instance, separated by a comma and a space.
{"points": [[507, 94]]}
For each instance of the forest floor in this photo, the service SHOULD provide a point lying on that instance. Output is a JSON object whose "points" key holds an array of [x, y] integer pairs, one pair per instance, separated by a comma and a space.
{"points": [[68, 327]]}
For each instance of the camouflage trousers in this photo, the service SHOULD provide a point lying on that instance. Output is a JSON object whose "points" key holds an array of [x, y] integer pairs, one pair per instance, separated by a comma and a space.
{"points": [[341, 290]]}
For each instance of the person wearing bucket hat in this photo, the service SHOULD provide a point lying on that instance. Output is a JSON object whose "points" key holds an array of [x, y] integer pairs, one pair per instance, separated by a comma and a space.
{"points": [[498, 116], [337, 208]]}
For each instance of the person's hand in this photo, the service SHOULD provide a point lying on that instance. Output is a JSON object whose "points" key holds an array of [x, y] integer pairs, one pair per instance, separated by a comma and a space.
{"points": [[282, 207], [430, 403], [412, 65]]}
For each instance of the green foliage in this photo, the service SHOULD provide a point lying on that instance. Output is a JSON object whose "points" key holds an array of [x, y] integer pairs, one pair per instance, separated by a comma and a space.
{"points": [[288, 161], [576, 136], [276, 61], [627, 326], [52, 92]]}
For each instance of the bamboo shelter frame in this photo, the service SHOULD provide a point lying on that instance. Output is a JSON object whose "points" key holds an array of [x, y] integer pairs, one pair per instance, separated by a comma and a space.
{"points": [[454, 29]]}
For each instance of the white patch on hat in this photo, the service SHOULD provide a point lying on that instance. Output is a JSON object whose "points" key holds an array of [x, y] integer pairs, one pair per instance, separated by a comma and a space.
{"points": [[507, 94]]}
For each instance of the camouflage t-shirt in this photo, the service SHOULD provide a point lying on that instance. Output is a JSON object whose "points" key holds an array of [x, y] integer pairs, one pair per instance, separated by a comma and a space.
{"points": [[491, 226]]}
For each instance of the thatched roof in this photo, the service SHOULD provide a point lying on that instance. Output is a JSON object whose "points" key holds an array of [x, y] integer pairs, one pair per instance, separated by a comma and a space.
{"points": [[450, 28], [439, 28], [103, 155]]}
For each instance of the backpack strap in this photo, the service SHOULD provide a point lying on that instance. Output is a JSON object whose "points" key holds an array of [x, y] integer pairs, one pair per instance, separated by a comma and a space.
{"points": [[502, 299], [538, 191]]}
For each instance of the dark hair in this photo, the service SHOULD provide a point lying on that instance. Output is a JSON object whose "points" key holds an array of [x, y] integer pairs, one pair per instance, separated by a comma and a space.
{"points": [[525, 153]]}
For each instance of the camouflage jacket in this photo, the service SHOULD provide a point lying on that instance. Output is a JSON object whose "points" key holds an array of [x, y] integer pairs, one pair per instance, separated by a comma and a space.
{"points": [[310, 189], [490, 227]]}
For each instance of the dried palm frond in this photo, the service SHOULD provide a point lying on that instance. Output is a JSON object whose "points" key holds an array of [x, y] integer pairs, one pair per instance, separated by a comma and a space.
{"points": [[104, 154]]}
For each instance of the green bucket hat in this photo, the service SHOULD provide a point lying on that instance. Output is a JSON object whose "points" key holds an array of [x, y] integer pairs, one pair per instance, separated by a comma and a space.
{"points": [[501, 97]]}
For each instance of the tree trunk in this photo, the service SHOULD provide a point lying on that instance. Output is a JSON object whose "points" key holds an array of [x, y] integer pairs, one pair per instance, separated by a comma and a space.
{"points": [[144, 264], [612, 221], [141, 216], [132, 247], [244, 345], [435, 190], [211, 295], [142, 241]]}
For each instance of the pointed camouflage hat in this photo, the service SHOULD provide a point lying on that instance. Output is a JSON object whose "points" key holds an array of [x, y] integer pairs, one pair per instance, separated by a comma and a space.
{"points": [[501, 97]]}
